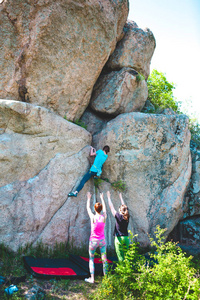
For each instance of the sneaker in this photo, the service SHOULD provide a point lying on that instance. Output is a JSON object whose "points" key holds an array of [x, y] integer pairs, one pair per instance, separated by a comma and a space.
{"points": [[72, 194], [89, 280]]}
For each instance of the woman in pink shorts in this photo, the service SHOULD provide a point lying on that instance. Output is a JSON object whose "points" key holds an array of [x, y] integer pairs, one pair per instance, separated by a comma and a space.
{"points": [[97, 237]]}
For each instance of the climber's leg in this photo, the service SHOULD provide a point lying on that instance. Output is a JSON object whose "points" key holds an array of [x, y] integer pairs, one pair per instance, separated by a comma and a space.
{"points": [[85, 178]]}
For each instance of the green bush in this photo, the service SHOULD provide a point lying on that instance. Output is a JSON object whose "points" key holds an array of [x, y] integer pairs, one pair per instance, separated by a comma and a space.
{"points": [[119, 185], [160, 91], [80, 123], [77, 122], [167, 274], [172, 276], [97, 182]]}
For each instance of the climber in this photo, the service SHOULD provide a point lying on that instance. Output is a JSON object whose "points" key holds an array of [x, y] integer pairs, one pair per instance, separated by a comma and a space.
{"points": [[97, 237], [96, 168], [121, 225]]}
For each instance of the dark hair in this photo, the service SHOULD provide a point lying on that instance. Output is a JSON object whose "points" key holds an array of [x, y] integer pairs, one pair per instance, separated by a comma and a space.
{"points": [[98, 207], [124, 211], [106, 149]]}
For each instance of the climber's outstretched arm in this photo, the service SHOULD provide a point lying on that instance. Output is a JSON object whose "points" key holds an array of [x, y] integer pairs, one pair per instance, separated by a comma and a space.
{"points": [[91, 215], [113, 211], [122, 200], [104, 205]]}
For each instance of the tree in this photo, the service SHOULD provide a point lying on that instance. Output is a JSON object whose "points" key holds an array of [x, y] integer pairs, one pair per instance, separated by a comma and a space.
{"points": [[160, 91], [160, 94]]}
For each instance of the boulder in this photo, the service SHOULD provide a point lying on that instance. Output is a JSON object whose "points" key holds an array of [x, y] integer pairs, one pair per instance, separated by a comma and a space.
{"points": [[135, 50], [151, 154], [42, 157], [93, 121], [30, 136], [52, 52], [119, 92], [28, 207]]}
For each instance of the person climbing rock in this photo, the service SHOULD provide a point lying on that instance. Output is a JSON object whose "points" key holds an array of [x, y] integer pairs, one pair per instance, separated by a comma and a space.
{"points": [[121, 226], [97, 237], [96, 168]]}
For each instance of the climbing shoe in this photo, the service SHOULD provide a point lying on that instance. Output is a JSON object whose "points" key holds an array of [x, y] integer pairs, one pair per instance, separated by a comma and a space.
{"points": [[72, 194]]}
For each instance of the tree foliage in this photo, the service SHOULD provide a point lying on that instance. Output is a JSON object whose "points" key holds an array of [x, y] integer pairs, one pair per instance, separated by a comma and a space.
{"points": [[160, 91], [160, 94]]}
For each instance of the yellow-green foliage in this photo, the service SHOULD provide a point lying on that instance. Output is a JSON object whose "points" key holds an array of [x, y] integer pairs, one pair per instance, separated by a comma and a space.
{"points": [[160, 91], [167, 274]]}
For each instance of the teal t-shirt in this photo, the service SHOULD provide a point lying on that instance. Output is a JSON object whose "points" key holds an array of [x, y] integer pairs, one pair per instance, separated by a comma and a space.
{"points": [[99, 161]]}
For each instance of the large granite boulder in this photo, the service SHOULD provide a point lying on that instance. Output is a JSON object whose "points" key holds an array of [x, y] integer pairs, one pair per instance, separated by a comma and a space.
{"points": [[30, 136], [29, 207], [52, 52], [42, 158], [119, 92], [135, 50], [151, 154]]}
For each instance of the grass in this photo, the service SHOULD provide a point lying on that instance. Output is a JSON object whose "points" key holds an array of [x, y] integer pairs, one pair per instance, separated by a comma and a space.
{"points": [[11, 265]]}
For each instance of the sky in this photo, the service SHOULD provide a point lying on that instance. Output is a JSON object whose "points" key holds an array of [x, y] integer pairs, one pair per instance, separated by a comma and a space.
{"points": [[176, 28]]}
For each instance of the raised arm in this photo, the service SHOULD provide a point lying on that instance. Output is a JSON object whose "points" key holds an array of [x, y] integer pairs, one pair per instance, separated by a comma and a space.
{"points": [[122, 201], [88, 206], [104, 205], [92, 151], [113, 211]]}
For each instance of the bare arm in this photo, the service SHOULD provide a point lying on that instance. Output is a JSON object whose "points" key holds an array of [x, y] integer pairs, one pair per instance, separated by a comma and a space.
{"points": [[104, 205], [122, 201], [91, 215], [113, 211], [92, 151]]}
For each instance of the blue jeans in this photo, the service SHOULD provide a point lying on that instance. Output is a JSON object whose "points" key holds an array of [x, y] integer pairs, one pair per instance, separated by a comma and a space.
{"points": [[85, 178]]}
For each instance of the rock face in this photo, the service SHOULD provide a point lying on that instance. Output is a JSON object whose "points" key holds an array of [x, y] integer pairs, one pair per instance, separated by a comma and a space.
{"points": [[28, 207], [51, 55], [31, 136], [135, 50], [52, 52], [151, 154], [192, 197], [57, 151], [187, 231], [119, 92], [93, 121]]}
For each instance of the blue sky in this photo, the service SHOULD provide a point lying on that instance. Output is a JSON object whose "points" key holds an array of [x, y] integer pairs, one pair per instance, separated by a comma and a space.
{"points": [[176, 27]]}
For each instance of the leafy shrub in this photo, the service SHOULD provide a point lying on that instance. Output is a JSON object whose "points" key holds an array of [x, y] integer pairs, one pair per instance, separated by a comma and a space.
{"points": [[160, 91], [80, 123], [167, 274], [119, 185], [140, 77], [172, 277], [97, 182], [77, 122]]}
